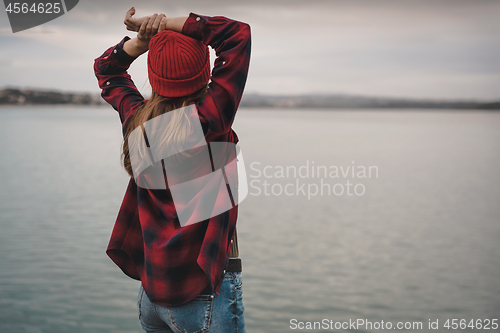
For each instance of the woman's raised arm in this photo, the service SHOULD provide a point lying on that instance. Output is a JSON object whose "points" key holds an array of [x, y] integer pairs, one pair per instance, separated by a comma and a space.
{"points": [[231, 41]]}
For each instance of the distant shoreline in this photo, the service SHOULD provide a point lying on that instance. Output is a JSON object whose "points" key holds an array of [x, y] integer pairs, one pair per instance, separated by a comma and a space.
{"points": [[20, 96]]}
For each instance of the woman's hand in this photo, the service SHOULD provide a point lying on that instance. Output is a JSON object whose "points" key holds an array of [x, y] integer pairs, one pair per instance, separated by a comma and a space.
{"points": [[133, 24], [150, 27]]}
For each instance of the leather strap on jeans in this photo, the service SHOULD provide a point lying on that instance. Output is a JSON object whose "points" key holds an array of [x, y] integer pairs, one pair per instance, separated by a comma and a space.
{"points": [[234, 265]]}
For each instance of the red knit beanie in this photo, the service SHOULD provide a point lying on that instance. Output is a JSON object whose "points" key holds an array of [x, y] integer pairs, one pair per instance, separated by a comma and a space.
{"points": [[178, 65]]}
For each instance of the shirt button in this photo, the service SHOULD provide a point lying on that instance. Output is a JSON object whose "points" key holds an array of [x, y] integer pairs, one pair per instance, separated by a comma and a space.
{"points": [[114, 51], [198, 18], [108, 83]]}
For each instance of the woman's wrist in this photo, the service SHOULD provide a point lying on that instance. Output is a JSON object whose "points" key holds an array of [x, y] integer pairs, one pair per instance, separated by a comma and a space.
{"points": [[176, 23], [173, 23], [134, 47]]}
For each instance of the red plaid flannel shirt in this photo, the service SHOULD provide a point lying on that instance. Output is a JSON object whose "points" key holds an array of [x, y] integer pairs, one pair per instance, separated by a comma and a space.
{"points": [[175, 264]]}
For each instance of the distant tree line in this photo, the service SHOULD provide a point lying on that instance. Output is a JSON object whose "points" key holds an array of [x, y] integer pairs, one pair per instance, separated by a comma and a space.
{"points": [[15, 96], [350, 102]]}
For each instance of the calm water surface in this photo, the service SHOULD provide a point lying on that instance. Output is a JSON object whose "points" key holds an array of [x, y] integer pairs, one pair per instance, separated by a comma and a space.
{"points": [[422, 242]]}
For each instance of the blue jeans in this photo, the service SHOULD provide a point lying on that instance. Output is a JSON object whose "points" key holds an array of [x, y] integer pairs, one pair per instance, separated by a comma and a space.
{"points": [[206, 313]]}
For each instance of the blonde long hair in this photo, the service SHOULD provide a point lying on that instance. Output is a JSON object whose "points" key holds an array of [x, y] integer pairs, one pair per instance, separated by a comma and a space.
{"points": [[177, 132]]}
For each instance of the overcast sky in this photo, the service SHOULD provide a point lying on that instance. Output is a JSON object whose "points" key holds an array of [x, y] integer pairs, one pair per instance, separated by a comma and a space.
{"points": [[439, 49]]}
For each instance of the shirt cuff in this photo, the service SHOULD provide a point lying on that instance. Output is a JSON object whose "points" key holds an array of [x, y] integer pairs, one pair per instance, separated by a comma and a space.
{"points": [[194, 26], [119, 55]]}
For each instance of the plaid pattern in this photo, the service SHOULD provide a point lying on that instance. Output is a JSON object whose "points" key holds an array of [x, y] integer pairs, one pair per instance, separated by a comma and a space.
{"points": [[175, 264]]}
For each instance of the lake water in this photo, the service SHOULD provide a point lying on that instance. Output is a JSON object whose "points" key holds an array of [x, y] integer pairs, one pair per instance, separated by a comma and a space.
{"points": [[419, 240]]}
